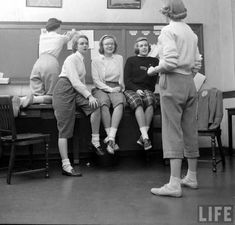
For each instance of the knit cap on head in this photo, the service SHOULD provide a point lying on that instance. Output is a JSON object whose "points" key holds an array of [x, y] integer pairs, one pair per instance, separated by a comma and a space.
{"points": [[53, 24], [174, 9]]}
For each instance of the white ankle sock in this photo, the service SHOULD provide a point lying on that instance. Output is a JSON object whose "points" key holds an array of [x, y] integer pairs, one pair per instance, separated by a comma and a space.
{"points": [[66, 165], [175, 182], [112, 133], [144, 133], [191, 175], [95, 140]]}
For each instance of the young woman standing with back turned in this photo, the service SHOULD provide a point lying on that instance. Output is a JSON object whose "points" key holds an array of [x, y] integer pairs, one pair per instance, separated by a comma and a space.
{"points": [[179, 61]]}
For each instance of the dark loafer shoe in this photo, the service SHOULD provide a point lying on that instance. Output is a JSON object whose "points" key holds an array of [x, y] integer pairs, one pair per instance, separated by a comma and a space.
{"points": [[73, 173], [98, 150]]}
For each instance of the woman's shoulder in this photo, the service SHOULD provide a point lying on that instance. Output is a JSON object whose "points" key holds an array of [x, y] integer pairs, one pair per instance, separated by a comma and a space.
{"points": [[71, 58], [132, 58], [152, 58], [118, 56], [97, 58]]}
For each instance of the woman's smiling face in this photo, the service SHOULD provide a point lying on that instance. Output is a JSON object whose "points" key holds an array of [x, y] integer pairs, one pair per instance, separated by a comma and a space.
{"points": [[108, 45], [143, 47]]}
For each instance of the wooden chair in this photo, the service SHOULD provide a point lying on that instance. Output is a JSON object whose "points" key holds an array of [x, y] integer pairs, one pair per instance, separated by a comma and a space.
{"points": [[10, 138], [214, 134], [209, 117]]}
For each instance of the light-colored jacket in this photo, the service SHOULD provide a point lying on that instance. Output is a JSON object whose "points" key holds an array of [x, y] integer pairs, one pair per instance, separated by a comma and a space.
{"points": [[210, 109]]}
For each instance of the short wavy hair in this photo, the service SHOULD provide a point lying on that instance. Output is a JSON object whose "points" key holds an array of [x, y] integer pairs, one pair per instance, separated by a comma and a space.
{"points": [[75, 41], [174, 9], [53, 24], [136, 48], [101, 47]]}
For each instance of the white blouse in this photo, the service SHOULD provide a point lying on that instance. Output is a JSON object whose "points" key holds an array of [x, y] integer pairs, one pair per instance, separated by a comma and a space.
{"points": [[74, 69]]}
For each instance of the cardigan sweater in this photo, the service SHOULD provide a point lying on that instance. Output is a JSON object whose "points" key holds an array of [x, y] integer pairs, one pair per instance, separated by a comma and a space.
{"points": [[178, 50], [107, 69]]}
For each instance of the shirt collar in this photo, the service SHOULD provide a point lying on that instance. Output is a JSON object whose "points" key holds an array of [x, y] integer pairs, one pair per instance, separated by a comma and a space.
{"points": [[103, 57], [174, 22], [79, 55]]}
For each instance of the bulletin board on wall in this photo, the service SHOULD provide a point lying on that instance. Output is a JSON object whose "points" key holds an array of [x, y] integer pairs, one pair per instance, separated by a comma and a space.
{"points": [[19, 43]]}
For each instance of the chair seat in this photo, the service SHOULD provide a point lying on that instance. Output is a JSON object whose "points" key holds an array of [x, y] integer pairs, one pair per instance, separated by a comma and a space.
{"points": [[208, 132], [25, 137], [9, 137]]}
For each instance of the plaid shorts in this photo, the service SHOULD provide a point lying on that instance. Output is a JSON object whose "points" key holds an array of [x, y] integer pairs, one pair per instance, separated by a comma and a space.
{"points": [[135, 100]]}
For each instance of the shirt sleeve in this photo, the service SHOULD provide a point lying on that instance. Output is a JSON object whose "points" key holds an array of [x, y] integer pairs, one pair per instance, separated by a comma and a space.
{"points": [[67, 37], [73, 71], [169, 59], [96, 77]]}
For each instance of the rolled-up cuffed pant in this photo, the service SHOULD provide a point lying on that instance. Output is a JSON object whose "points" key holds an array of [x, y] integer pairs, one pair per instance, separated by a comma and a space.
{"points": [[178, 99]]}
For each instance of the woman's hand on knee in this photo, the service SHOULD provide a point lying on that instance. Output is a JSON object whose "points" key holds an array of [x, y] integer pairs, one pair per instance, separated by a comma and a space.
{"points": [[93, 102], [140, 92]]}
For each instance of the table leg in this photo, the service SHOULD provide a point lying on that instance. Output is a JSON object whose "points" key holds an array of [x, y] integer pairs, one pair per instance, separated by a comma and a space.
{"points": [[76, 143]]}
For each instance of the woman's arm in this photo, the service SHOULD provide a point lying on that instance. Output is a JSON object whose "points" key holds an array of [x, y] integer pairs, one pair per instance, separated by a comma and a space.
{"points": [[169, 58]]}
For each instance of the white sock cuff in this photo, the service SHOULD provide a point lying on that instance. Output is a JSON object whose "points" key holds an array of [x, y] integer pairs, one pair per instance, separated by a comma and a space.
{"points": [[175, 181], [95, 137], [65, 162], [144, 133], [193, 173], [107, 130], [112, 133]]}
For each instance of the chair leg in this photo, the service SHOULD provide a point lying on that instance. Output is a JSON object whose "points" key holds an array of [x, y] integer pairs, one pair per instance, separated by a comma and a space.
{"points": [[213, 154], [46, 157], [221, 149], [11, 163]]}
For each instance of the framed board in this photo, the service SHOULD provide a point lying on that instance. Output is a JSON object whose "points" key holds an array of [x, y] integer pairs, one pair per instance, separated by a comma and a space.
{"points": [[19, 44]]}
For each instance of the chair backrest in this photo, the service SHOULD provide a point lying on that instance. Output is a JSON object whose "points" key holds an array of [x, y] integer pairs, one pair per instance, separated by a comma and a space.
{"points": [[7, 120], [210, 108]]}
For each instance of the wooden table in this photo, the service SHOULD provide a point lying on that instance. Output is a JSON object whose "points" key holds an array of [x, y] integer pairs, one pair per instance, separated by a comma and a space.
{"points": [[230, 113], [45, 112]]}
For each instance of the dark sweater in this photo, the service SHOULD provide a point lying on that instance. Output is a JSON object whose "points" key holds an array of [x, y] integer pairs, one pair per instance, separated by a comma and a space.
{"points": [[135, 73]]}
